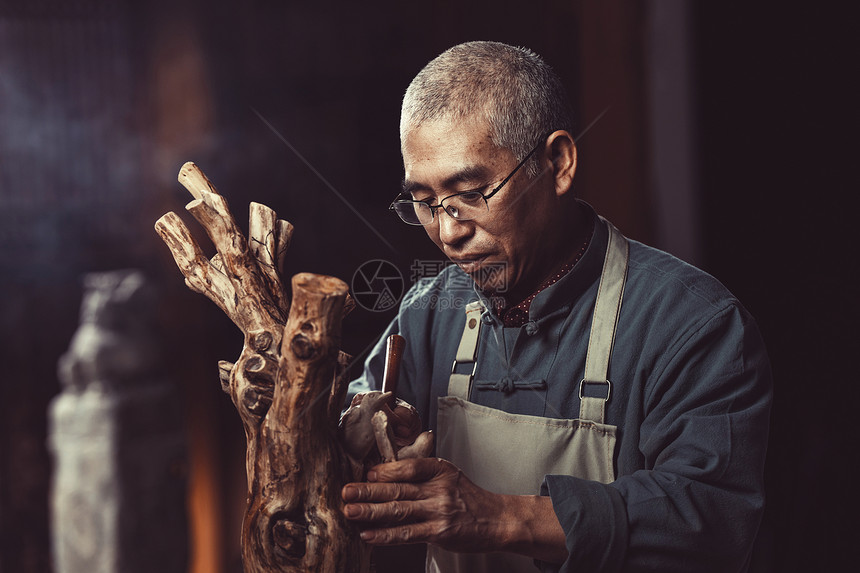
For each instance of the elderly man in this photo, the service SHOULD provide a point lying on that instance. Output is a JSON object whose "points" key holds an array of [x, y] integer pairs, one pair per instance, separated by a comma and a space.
{"points": [[608, 405]]}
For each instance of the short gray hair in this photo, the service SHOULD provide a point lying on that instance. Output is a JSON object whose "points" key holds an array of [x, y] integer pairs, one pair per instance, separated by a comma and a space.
{"points": [[520, 96]]}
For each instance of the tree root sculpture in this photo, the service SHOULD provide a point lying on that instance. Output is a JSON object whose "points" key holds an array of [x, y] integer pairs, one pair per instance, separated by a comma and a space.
{"points": [[286, 384]]}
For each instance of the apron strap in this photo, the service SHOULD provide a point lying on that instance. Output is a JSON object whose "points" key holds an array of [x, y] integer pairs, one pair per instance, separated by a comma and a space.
{"points": [[600, 341], [459, 385], [602, 337]]}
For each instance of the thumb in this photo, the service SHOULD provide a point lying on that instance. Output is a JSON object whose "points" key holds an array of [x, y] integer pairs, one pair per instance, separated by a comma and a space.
{"points": [[410, 470]]}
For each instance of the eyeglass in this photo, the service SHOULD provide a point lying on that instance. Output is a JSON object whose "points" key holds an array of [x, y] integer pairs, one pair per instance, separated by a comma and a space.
{"points": [[464, 206]]}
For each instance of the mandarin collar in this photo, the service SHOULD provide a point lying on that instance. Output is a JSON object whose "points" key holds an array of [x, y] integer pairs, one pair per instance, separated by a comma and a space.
{"points": [[567, 290]]}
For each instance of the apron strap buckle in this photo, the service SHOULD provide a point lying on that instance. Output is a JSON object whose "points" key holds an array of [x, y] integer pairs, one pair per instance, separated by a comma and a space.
{"points": [[474, 368], [594, 382], [593, 408], [460, 385]]}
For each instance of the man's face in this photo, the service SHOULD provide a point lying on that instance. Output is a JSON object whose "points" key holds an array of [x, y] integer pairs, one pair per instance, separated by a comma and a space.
{"points": [[444, 157]]}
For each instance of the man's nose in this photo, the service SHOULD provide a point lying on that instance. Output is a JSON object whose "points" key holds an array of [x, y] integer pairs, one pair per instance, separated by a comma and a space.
{"points": [[451, 230]]}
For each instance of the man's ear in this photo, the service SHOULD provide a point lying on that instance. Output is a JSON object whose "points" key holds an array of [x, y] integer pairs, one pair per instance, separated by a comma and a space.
{"points": [[562, 153]]}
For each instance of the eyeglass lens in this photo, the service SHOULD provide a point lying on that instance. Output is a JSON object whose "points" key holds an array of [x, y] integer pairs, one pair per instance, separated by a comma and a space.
{"points": [[463, 207]]}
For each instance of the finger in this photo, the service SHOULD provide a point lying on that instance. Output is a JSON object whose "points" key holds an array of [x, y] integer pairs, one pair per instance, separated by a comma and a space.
{"points": [[406, 415], [404, 428], [405, 422], [390, 512], [380, 492], [400, 535], [411, 470]]}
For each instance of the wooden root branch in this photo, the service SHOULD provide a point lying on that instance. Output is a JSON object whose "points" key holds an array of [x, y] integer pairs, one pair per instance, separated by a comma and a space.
{"points": [[286, 383]]}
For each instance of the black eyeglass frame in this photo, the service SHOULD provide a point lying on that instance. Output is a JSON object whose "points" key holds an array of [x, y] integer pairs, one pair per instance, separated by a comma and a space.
{"points": [[486, 198]]}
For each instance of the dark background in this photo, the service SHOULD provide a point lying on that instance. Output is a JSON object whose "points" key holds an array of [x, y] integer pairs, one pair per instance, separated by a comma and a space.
{"points": [[742, 115]]}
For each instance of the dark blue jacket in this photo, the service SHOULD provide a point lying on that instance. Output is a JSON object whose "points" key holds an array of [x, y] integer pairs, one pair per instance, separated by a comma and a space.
{"points": [[690, 394]]}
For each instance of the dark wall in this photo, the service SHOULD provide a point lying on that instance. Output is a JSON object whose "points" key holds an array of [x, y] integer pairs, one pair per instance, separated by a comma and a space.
{"points": [[779, 127], [295, 105]]}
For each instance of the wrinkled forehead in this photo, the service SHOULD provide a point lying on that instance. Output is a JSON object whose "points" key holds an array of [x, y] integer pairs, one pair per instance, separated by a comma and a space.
{"points": [[446, 128], [445, 154], [448, 136]]}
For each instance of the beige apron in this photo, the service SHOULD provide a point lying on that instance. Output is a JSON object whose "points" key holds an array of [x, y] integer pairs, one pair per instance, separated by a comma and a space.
{"points": [[511, 453]]}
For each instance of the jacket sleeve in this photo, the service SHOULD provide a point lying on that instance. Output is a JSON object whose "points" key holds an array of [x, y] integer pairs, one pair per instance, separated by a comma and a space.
{"points": [[697, 502], [415, 326]]}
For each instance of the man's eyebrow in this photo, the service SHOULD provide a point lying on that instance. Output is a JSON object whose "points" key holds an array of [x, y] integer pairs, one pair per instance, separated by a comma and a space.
{"points": [[471, 173]]}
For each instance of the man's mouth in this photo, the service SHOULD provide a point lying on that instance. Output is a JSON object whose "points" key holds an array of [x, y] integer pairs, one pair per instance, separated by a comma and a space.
{"points": [[470, 264]]}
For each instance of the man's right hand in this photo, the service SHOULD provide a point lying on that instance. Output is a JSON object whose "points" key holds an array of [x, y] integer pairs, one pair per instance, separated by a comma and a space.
{"points": [[406, 423], [357, 431]]}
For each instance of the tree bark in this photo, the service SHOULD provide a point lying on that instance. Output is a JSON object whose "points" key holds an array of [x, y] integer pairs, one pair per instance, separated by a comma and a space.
{"points": [[285, 384]]}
